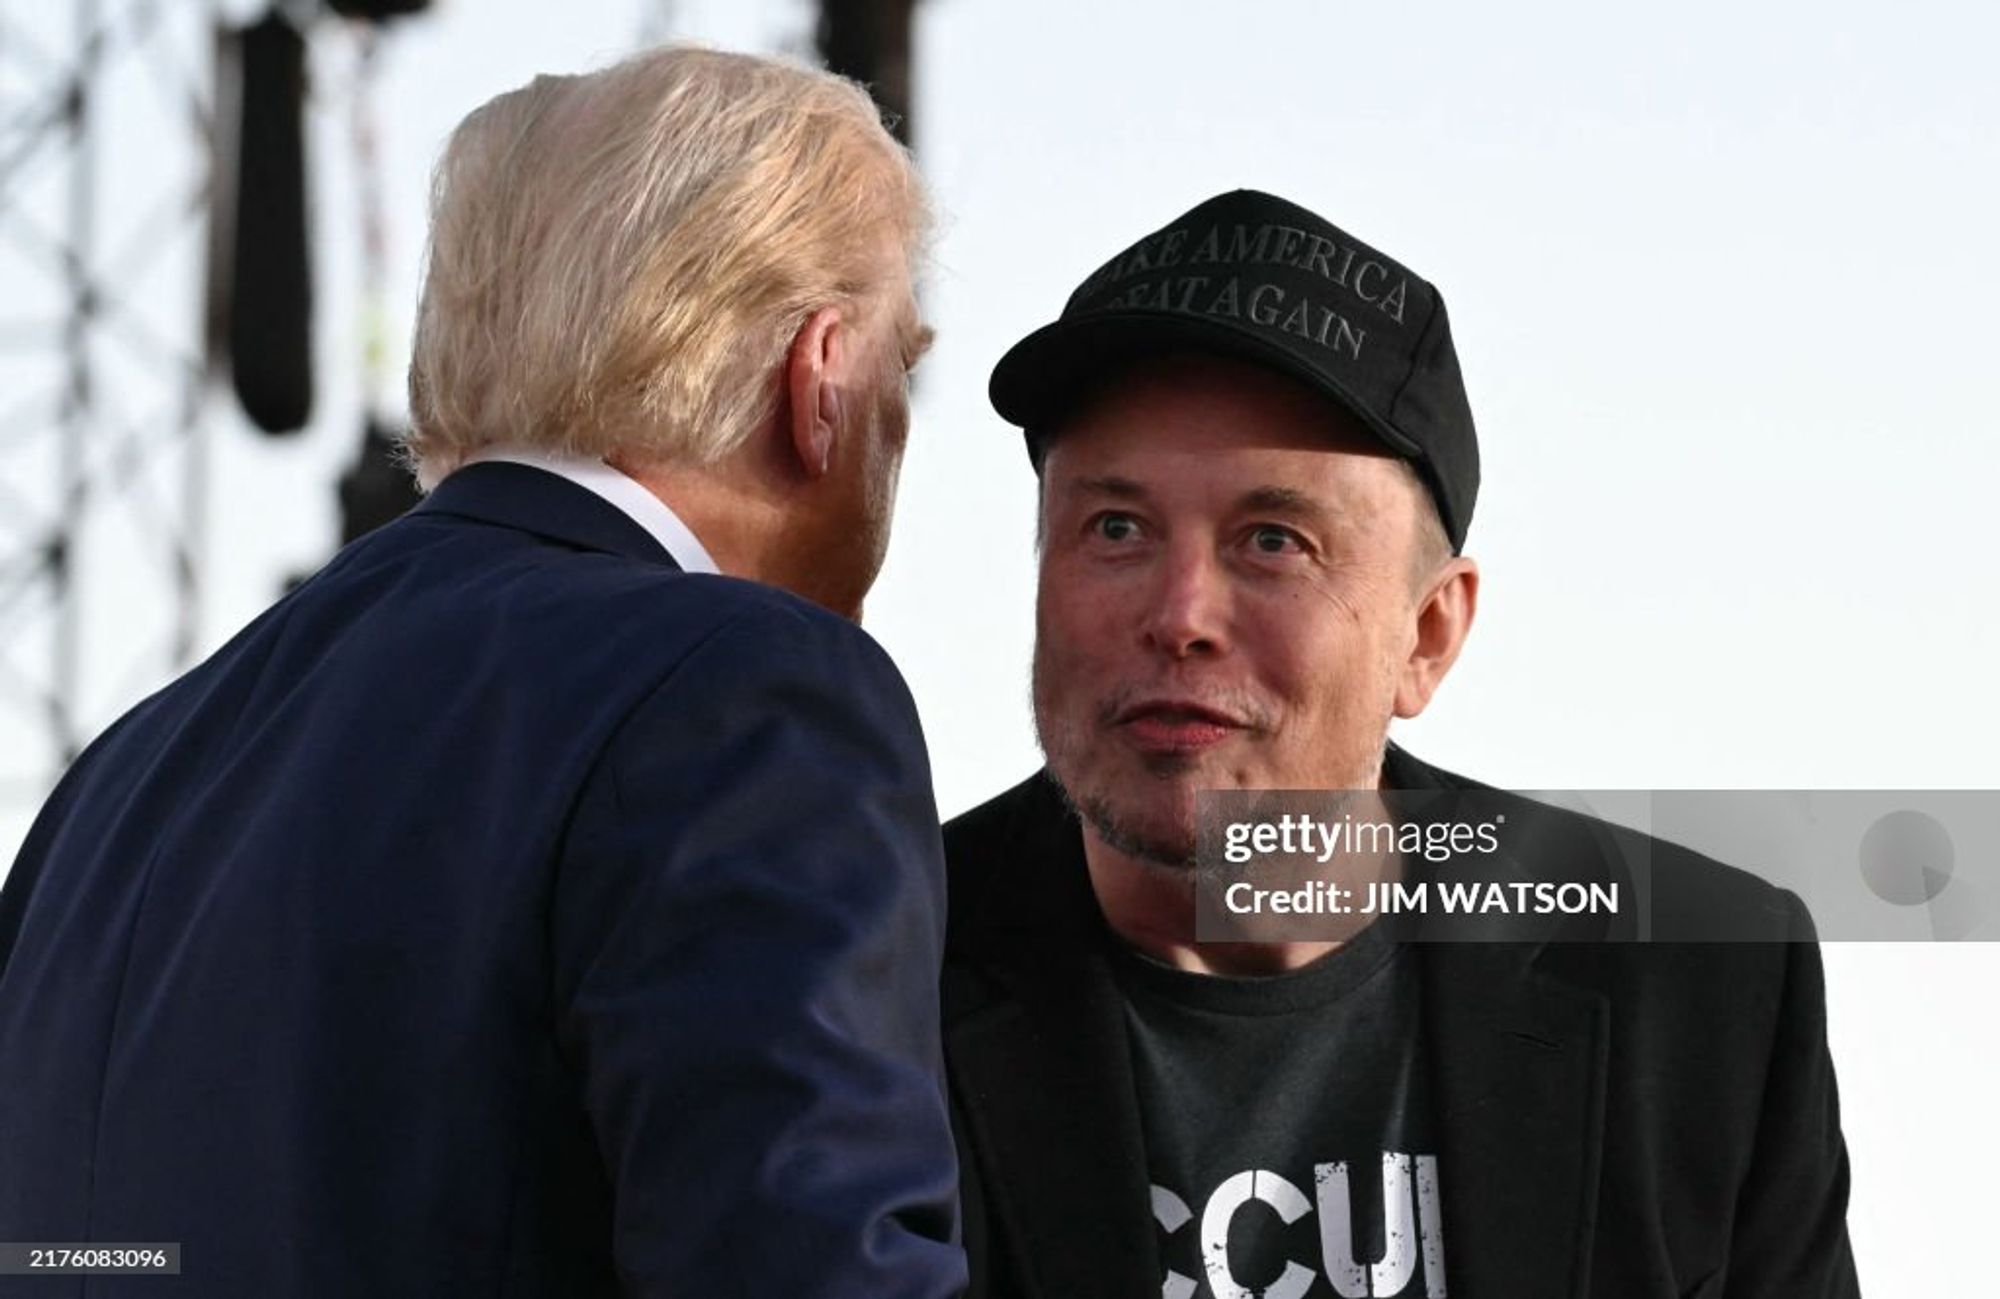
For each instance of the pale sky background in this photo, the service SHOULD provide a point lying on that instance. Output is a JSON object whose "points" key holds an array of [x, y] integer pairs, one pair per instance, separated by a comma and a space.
{"points": [[1721, 280]]}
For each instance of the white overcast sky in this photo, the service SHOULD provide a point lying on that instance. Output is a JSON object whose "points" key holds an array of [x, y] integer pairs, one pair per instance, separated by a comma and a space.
{"points": [[1721, 276]]}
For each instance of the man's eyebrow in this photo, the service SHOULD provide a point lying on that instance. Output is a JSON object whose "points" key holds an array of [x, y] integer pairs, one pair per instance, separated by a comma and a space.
{"points": [[1282, 500], [1125, 489]]}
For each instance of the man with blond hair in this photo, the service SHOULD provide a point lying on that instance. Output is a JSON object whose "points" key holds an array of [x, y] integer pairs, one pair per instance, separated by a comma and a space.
{"points": [[544, 899]]}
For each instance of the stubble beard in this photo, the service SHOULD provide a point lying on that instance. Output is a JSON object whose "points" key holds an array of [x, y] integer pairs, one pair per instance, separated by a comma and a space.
{"points": [[1066, 745], [1176, 854]]}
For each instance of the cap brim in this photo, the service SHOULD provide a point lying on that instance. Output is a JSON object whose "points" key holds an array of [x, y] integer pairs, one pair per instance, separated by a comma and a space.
{"points": [[1044, 375]]}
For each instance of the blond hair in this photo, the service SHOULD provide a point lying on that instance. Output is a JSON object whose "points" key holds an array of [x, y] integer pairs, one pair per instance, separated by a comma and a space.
{"points": [[619, 261]]}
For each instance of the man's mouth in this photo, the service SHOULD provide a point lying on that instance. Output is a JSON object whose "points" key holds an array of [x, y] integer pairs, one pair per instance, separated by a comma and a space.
{"points": [[1175, 725]]}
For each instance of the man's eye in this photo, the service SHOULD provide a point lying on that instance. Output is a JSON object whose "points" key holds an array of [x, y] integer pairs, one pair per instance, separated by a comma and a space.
{"points": [[1112, 526], [1270, 539]]}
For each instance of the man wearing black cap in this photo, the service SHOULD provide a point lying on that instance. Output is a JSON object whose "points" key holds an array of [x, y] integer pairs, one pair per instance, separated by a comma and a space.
{"points": [[1257, 470]]}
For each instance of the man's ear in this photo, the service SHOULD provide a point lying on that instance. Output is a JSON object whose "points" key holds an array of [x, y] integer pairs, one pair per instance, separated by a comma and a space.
{"points": [[815, 373], [1444, 616]]}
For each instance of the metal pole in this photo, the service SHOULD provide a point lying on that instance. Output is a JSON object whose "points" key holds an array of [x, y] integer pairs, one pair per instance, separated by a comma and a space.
{"points": [[73, 459], [194, 433]]}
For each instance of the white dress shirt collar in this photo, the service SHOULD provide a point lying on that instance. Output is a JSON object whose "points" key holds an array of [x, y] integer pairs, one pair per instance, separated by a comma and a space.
{"points": [[620, 490]]}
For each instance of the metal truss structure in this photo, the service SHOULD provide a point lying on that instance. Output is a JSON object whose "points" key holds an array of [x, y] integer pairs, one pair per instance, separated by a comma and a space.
{"points": [[103, 390]]}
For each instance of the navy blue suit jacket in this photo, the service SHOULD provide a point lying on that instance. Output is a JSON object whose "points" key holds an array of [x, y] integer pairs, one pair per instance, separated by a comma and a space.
{"points": [[504, 912]]}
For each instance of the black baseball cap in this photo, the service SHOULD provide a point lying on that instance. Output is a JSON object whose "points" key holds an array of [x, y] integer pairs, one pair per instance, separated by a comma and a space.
{"points": [[1251, 276]]}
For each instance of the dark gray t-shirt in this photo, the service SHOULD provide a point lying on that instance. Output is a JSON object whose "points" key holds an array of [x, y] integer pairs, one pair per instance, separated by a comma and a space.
{"points": [[1288, 1127]]}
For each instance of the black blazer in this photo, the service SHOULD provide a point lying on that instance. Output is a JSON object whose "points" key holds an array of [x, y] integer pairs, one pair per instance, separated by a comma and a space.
{"points": [[505, 912], [1618, 1120]]}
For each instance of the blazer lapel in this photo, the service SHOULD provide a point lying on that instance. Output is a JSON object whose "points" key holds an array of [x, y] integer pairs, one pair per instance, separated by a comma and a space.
{"points": [[1043, 1076], [1519, 1060], [1048, 1093]]}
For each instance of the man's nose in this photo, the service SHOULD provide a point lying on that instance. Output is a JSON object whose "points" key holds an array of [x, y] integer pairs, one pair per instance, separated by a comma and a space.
{"points": [[1187, 613]]}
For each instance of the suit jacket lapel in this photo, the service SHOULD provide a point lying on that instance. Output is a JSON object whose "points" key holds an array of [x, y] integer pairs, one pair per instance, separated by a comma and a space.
{"points": [[1519, 1057], [1043, 1075], [1519, 1060]]}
